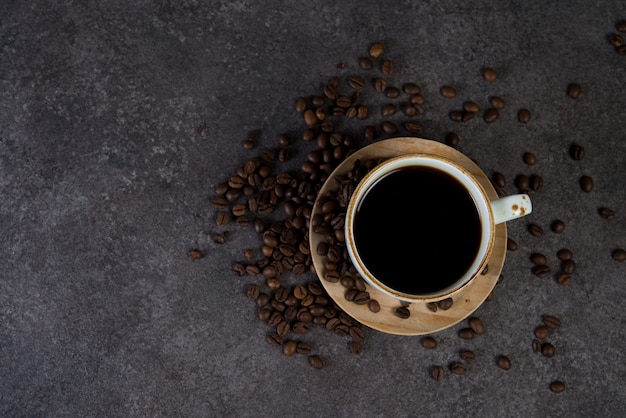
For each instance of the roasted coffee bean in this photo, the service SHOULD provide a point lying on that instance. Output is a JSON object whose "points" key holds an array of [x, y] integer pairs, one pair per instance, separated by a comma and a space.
{"points": [[357, 334], [536, 345], [380, 84], [485, 270], [316, 362], [535, 230], [458, 368], [414, 127], [342, 330], [389, 109], [264, 314], [195, 254], [471, 107], [551, 321], [490, 74], [219, 202], [387, 67], [467, 355], [564, 254], [529, 158], [456, 115], [452, 139], [542, 271], [253, 292], [376, 50], [511, 245], [568, 266], [389, 128], [477, 325], [373, 305], [557, 226], [361, 298], [392, 92], [497, 102], [289, 348], [448, 92], [417, 99], [618, 254], [274, 339], [356, 348], [303, 348], [366, 63], [541, 332], [491, 115], [606, 213], [356, 82], [616, 40], [621, 26], [538, 259], [503, 362], [432, 306], [362, 112], [548, 350], [402, 312], [252, 270], [586, 183], [445, 304], [577, 152], [410, 88], [574, 90], [564, 279], [410, 110], [466, 333], [332, 323], [499, 179], [522, 182], [429, 342], [557, 386], [523, 115], [437, 373]]}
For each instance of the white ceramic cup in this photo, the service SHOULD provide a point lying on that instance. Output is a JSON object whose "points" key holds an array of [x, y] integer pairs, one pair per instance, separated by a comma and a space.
{"points": [[490, 213]]}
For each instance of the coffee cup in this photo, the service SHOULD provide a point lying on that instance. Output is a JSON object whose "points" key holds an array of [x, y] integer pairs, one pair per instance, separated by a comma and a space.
{"points": [[420, 227]]}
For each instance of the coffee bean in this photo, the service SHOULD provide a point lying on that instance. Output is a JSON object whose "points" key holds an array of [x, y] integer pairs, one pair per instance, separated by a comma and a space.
{"points": [[523, 115], [365, 63], [392, 92], [458, 368], [573, 90], [389, 110], [274, 339], [497, 102], [577, 152], [586, 183], [356, 82], [548, 350], [529, 158], [445, 304], [499, 179], [289, 348], [414, 127], [522, 182], [538, 259], [361, 298], [616, 40], [309, 118], [362, 112], [542, 271], [303, 348], [536, 182], [541, 332], [380, 84], [503, 362], [557, 386], [356, 348], [357, 333], [606, 213], [417, 99], [437, 373], [253, 292], [618, 254], [511, 245], [535, 230], [376, 50], [491, 115], [564, 254], [564, 279], [387, 67], [471, 107], [452, 139], [557, 226], [429, 343], [551, 321], [568, 266], [456, 115], [432, 306], [621, 26], [402, 312], [373, 305], [490, 75], [301, 105], [389, 127], [536, 345], [467, 355], [477, 325], [411, 88], [316, 362], [448, 92], [195, 254], [466, 333]]}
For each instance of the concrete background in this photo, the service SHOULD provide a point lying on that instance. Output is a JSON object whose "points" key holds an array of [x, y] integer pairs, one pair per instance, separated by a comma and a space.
{"points": [[117, 119]]}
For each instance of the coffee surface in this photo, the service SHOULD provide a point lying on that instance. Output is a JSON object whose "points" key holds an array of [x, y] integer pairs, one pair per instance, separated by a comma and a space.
{"points": [[417, 230]]}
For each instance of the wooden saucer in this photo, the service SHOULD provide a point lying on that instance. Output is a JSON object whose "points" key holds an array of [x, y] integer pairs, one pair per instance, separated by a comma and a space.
{"points": [[421, 320]]}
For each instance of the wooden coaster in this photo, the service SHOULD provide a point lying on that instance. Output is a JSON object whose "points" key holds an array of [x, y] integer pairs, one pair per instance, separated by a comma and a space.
{"points": [[422, 320]]}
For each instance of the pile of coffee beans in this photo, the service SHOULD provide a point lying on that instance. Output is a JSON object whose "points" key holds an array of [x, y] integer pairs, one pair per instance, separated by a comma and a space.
{"points": [[280, 205]]}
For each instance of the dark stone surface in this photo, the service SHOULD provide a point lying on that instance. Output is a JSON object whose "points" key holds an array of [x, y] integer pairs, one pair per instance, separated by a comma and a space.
{"points": [[117, 119]]}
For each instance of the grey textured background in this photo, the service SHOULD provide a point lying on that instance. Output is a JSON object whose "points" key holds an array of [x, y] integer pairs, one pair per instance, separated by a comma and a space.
{"points": [[117, 119]]}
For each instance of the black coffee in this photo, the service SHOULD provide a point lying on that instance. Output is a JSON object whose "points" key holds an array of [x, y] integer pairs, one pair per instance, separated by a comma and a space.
{"points": [[417, 230]]}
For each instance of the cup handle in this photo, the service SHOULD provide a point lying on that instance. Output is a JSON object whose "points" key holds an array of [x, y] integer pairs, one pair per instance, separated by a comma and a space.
{"points": [[511, 207]]}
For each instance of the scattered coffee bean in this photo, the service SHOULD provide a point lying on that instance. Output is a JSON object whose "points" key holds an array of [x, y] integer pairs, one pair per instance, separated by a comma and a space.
{"points": [[538, 259], [380, 84], [606, 213], [432, 306], [619, 254], [542, 332], [471, 107], [535, 230], [253, 291], [445, 304], [536, 182], [586, 183], [477, 325], [548, 350], [490, 74], [414, 127], [452, 139], [529, 158], [557, 386], [392, 92], [466, 333], [429, 342], [389, 110], [316, 362], [356, 82], [373, 305], [467, 355], [356, 348], [195, 254], [616, 40], [557, 226], [289, 348], [387, 67], [491, 115], [389, 128], [497, 102], [564, 254], [448, 92], [411, 88], [402, 312], [437, 373], [564, 279], [376, 50], [551, 321], [577, 152], [522, 182], [536, 345], [542, 271], [574, 90], [523, 115], [458, 368], [499, 179], [365, 63], [503, 362], [511, 245], [568, 266], [274, 339]]}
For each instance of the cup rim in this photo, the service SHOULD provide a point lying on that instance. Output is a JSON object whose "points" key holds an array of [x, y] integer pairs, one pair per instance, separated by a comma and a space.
{"points": [[353, 204]]}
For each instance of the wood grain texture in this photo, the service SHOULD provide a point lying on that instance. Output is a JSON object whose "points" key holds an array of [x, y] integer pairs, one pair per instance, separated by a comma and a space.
{"points": [[421, 320]]}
